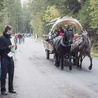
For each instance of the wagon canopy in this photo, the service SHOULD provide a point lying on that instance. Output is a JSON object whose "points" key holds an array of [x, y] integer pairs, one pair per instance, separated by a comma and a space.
{"points": [[67, 21]]}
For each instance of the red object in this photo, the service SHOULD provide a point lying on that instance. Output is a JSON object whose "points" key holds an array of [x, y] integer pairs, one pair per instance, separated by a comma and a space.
{"points": [[16, 36], [76, 37], [60, 32]]}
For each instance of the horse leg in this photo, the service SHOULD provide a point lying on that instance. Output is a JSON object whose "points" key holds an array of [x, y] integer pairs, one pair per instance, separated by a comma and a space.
{"points": [[61, 62], [70, 66], [90, 67], [76, 59], [80, 65], [77, 56], [80, 60], [56, 60]]}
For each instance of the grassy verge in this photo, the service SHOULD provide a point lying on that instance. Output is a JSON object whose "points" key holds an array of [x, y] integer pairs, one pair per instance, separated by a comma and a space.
{"points": [[94, 54]]}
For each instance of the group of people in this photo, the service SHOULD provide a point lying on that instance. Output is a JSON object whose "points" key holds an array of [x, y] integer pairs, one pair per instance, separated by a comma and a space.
{"points": [[60, 32], [7, 62], [69, 33], [19, 37]]}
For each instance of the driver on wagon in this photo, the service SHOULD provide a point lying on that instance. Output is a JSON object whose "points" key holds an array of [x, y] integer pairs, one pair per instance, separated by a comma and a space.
{"points": [[60, 32]]}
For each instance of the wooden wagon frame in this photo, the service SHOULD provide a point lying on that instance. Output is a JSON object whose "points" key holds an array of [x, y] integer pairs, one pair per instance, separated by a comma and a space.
{"points": [[61, 21]]}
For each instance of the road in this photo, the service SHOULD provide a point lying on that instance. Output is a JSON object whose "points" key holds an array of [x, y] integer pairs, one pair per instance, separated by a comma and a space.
{"points": [[37, 77]]}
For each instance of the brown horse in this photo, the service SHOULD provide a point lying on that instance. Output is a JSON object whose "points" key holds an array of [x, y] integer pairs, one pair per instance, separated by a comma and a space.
{"points": [[84, 50]]}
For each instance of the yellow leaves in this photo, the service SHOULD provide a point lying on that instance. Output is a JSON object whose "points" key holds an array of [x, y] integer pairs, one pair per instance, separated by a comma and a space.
{"points": [[37, 23], [51, 13], [94, 4]]}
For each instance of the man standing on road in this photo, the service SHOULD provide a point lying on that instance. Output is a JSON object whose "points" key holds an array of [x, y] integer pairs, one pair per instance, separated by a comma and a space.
{"points": [[7, 63]]}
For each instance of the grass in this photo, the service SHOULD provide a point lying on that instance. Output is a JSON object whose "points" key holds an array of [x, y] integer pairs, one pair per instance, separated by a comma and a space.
{"points": [[94, 54]]}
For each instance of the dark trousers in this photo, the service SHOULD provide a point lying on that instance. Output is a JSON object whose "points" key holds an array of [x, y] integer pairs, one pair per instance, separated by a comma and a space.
{"points": [[19, 40], [7, 66]]}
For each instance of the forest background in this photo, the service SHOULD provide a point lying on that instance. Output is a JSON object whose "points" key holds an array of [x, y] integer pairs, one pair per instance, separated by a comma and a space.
{"points": [[31, 16]]}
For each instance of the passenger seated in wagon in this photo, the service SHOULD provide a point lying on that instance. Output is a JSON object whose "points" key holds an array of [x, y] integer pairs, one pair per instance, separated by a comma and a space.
{"points": [[50, 36], [60, 32], [53, 34]]}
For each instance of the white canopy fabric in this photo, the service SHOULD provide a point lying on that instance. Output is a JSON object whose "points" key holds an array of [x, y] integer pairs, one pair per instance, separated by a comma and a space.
{"points": [[68, 21]]}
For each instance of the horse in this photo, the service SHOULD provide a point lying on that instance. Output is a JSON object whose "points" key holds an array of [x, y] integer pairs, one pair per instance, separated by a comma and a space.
{"points": [[61, 46], [84, 50]]}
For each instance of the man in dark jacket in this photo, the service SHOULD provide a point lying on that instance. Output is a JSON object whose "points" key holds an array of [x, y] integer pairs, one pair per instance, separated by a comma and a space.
{"points": [[7, 63]]}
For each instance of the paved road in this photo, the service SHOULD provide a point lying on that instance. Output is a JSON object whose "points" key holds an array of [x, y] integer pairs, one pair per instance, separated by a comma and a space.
{"points": [[36, 77]]}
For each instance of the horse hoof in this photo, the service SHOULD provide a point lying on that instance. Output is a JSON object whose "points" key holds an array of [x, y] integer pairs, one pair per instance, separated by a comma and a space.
{"points": [[62, 68], [56, 64], [80, 68], [90, 67], [70, 68]]}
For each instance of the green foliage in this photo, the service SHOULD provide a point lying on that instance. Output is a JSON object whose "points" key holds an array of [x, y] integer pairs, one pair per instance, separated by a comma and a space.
{"points": [[13, 14], [35, 14], [37, 8], [84, 14], [36, 24], [94, 13], [50, 13], [73, 5]]}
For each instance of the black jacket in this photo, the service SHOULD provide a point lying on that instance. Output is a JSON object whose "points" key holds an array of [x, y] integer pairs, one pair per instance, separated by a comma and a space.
{"points": [[4, 43]]}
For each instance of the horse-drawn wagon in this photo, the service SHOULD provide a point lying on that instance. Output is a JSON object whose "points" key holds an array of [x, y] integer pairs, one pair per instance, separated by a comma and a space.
{"points": [[60, 50], [65, 21]]}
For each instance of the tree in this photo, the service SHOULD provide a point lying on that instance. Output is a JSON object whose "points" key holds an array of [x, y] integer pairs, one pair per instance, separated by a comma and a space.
{"points": [[84, 14], [50, 13], [37, 8], [26, 18], [94, 13], [1, 16], [9, 14], [19, 16]]}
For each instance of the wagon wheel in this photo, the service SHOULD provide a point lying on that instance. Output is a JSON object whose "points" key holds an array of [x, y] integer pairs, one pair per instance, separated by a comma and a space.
{"points": [[47, 54]]}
